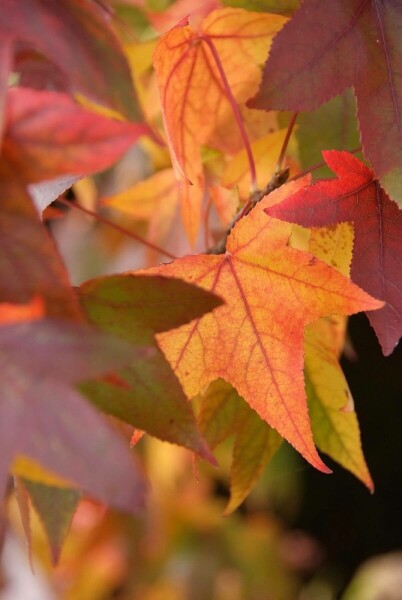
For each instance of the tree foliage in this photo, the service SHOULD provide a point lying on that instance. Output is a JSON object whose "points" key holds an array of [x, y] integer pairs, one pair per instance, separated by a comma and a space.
{"points": [[233, 321]]}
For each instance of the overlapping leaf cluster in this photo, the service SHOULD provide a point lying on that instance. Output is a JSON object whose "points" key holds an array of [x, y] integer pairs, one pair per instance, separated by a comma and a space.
{"points": [[248, 317]]}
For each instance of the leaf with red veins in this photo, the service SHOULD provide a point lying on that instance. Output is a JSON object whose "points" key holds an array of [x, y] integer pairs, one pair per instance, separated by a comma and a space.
{"points": [[360, 46], [76, 37], [203, 75], [357, 196], [47, 134], [255, 340]]}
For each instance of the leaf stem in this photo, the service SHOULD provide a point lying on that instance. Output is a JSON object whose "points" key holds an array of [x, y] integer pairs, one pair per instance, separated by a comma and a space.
{"points": [[277, 179], [281, 158], [236, 112], [122, 230]]}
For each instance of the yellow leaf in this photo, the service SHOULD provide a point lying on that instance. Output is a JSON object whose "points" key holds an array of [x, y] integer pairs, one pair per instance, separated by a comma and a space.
{"points": [[334, 421], [266, 152], [224, 413], [22, 466]]}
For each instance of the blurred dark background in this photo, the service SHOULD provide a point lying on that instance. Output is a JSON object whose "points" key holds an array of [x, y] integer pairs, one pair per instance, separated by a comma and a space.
{"points": [[351, 524]]}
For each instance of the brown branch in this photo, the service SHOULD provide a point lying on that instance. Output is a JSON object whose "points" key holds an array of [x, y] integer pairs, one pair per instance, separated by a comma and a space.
{"points": [[122, 230], [276, 181]]}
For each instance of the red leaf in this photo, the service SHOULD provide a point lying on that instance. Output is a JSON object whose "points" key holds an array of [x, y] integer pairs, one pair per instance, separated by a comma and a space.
{"points": [[376, 265], [47, 134], [29, 262], [43, 417], [76, 37], [359, 45]]}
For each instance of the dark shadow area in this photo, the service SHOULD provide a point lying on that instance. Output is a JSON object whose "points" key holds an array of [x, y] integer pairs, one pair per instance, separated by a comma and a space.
{"points": [[352, 524]]}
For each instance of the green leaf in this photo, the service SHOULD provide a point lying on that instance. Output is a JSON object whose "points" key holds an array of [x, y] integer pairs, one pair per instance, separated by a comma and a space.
{"points": [[333, 125], [224, 413], [148, 395], [55, 507], [280, 7]]}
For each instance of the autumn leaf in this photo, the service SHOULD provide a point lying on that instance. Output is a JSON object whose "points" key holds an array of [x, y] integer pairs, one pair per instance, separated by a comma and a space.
{"points": [[255, 340], [357, 196], [143, 199], [179, 10], [265, 151], [139, 56], [29, 262], [226, 202], [13, 313], [281, 7], [150, 397], [47, 134], [55, 507], [154, 200], [201, 78], [223, 414], [331, 407], [45, 192], [360, 46], [74, 36], [44, 418]]}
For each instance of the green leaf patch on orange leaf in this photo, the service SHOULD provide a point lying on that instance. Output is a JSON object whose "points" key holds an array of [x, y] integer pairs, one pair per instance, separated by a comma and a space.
{"points": [[255, 340]]}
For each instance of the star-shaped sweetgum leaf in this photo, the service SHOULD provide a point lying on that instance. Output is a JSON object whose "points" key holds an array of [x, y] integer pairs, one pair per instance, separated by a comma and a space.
{"points": [[357, 196], [255, 340], [43, 417], [330, 46]]}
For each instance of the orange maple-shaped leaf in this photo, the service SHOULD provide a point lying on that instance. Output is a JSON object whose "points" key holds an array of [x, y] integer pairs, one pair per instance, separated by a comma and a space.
{"points": [[255, 340], [203, 76]]}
